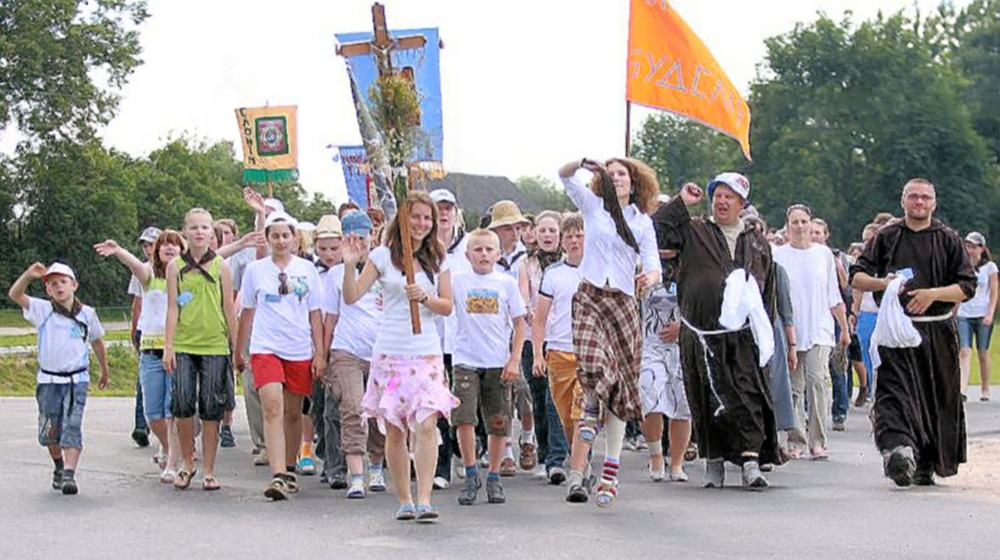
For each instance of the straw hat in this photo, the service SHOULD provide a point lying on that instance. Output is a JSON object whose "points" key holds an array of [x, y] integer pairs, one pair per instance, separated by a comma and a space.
{"points": [[328, 226], [505, 213]]}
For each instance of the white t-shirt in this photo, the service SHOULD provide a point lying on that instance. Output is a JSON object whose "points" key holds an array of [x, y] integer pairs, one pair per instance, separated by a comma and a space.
{"points": [[868, 304], [813, 287], [281, 322], [559, 282], [486, 306], [395, 336], [456, 261], [357, 324], [61, 343], [153, 318], [134, 286], [979, 304]]}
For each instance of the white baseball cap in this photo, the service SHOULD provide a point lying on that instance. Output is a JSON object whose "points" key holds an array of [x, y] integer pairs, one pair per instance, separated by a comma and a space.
{"points": [[735, 181], [59, 268], [274, 204], [280, 216], [443, 195]]}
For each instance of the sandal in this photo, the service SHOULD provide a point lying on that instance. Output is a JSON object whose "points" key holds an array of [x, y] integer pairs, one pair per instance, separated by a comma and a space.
{"points": [[426, 513], [168, 476], [406, 512], [183, 479], [210, 483], [277, 490], [160, 459]]}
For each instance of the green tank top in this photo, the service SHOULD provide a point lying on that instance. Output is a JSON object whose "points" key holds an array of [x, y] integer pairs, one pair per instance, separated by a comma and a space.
{"points": [[201, 323]]}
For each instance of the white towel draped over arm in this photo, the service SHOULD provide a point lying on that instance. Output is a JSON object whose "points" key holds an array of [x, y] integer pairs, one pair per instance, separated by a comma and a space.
{"points": [[741, 301], [893, 328]]}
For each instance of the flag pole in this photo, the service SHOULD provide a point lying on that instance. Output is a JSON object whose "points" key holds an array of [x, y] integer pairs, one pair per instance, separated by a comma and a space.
{"points": [[628, 127]]}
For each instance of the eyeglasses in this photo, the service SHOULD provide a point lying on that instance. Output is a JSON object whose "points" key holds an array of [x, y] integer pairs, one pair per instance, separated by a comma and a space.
{"points": [[283, 289]]}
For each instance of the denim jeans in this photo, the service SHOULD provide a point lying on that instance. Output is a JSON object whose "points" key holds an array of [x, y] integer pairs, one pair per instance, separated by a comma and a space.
{"points": [[838, 376], [866, 325], [140, 412]]}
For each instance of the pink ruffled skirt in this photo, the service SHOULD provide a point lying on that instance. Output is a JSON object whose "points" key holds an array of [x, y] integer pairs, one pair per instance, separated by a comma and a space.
{"points": [[406, 390]]}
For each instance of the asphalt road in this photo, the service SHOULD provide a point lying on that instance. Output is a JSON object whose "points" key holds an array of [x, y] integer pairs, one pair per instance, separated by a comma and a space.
{"points": [[838, 508]]}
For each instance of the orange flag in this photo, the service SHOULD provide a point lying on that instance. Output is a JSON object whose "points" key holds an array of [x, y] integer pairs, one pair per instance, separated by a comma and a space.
{"points": [[670, 68]]}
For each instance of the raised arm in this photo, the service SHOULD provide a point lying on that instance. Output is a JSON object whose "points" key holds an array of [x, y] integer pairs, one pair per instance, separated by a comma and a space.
{"points": [[18, 291], [110, 248]]}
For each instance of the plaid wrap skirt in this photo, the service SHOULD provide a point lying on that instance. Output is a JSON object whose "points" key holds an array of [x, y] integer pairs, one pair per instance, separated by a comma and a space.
{"points": [[608, 345]]}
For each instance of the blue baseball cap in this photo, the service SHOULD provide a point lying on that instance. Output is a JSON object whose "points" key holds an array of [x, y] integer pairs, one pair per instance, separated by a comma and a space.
{"points": [[356, 222]]}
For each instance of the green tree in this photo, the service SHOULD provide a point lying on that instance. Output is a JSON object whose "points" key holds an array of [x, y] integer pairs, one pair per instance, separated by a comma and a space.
{"points": [[845, 113], [63, 61], [545, 193], [681, 150]]}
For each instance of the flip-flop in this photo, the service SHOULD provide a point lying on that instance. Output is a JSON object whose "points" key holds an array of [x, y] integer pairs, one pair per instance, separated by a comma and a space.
{"points": [[210, 483], [183, 478], [426, 513], [406, 512]]}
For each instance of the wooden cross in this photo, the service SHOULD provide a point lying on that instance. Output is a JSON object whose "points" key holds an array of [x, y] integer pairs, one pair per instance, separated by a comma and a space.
{"points": [[382, 44]]}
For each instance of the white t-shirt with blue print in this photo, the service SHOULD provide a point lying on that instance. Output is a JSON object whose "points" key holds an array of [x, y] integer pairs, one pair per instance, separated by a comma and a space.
{"points": [[62, 344]]}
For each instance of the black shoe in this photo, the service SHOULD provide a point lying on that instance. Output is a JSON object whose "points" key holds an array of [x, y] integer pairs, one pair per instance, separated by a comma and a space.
{"points": [[557, 475], [69, 487], [226, 438], [57, 479], [338, 482], [140, 437], [899, 465], [578, 490], [924, 476], [323, 479]]}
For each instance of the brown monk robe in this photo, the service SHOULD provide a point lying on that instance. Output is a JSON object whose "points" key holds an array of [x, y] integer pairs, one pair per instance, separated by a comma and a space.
{"points": [[918, 403], [730, 399]]}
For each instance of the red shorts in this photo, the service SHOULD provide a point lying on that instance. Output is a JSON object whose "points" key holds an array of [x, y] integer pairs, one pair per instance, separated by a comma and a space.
{"points": [[295, 375]]}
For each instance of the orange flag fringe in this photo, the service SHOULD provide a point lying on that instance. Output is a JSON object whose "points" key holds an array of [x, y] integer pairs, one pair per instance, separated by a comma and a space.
{"points": [[670, 68]]}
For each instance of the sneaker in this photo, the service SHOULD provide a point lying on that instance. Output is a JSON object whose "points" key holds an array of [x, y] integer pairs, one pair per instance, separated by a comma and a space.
{"points": [[306, 466], [628, 444], [678, 476], [715, 473], [589, 426], [323, 479], [458, 470], [899, 465], [484, 459], [576, 491], [260, 460], [376, 482], [752, 479], [839, 425], [557, 475], [495, 493], [277, 489], [507, 467], [356, 490], [69, 486], [441, 483], [640, 443], [540, 473], [57, 479], [470, 491], [529, 457], [607, 492], [140, 437], [226, 438], [338, 481]]}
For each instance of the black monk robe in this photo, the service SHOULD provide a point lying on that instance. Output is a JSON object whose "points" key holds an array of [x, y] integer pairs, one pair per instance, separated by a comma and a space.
{"points": [[918, 401], [746, 420]]}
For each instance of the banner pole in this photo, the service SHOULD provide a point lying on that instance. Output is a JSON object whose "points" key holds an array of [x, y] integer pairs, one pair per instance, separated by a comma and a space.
{"points": [[628, 127]]}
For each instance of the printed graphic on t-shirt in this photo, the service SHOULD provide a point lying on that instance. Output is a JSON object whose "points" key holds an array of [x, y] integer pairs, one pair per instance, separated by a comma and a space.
{"points": [[76, 332], [483, 301], [659, 309], [299, 286], [184, 298]]}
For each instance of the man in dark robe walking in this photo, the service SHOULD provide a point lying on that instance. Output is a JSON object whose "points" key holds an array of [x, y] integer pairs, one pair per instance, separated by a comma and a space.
{"points": [[726, 386], [918, 414]]}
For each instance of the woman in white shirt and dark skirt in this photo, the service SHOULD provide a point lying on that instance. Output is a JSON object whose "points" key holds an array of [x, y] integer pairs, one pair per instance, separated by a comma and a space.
{"points": [[407, 385], [607, 336]]}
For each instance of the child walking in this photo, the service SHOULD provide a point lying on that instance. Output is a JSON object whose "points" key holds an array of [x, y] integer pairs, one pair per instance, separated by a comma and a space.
{"points": [[490, 310], [65, 328], [200, 333]]}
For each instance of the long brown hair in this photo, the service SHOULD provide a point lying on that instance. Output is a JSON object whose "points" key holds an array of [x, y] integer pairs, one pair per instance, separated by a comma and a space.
{"points": [[430, 254], [645, 186], [167, 236]]}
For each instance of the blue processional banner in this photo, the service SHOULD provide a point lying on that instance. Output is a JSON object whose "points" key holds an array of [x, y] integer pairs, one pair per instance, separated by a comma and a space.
{"points": [[354, 161]]}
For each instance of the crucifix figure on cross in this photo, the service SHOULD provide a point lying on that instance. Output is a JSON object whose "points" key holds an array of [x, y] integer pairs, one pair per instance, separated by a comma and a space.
{"points": [[381, 44]]}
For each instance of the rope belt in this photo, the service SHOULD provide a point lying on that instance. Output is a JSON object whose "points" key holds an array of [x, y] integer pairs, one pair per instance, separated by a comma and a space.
{"points": [[925, 319], [72, 384], [706, 352]]}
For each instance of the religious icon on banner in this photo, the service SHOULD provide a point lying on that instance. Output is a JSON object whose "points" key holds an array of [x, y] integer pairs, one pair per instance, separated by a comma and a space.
{"points": [[268, 138]]}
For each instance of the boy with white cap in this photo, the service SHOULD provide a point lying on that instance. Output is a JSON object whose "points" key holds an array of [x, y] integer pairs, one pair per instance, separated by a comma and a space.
{"points": [[65, 328], [140, 433]]}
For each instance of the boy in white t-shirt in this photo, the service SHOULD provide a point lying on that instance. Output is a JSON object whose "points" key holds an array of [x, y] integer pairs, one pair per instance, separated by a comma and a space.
{"points": [[65, 328], [490, 309]]}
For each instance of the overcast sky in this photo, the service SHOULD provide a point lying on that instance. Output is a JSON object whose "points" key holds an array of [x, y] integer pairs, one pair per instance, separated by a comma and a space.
{"points": [[527, 84]]}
